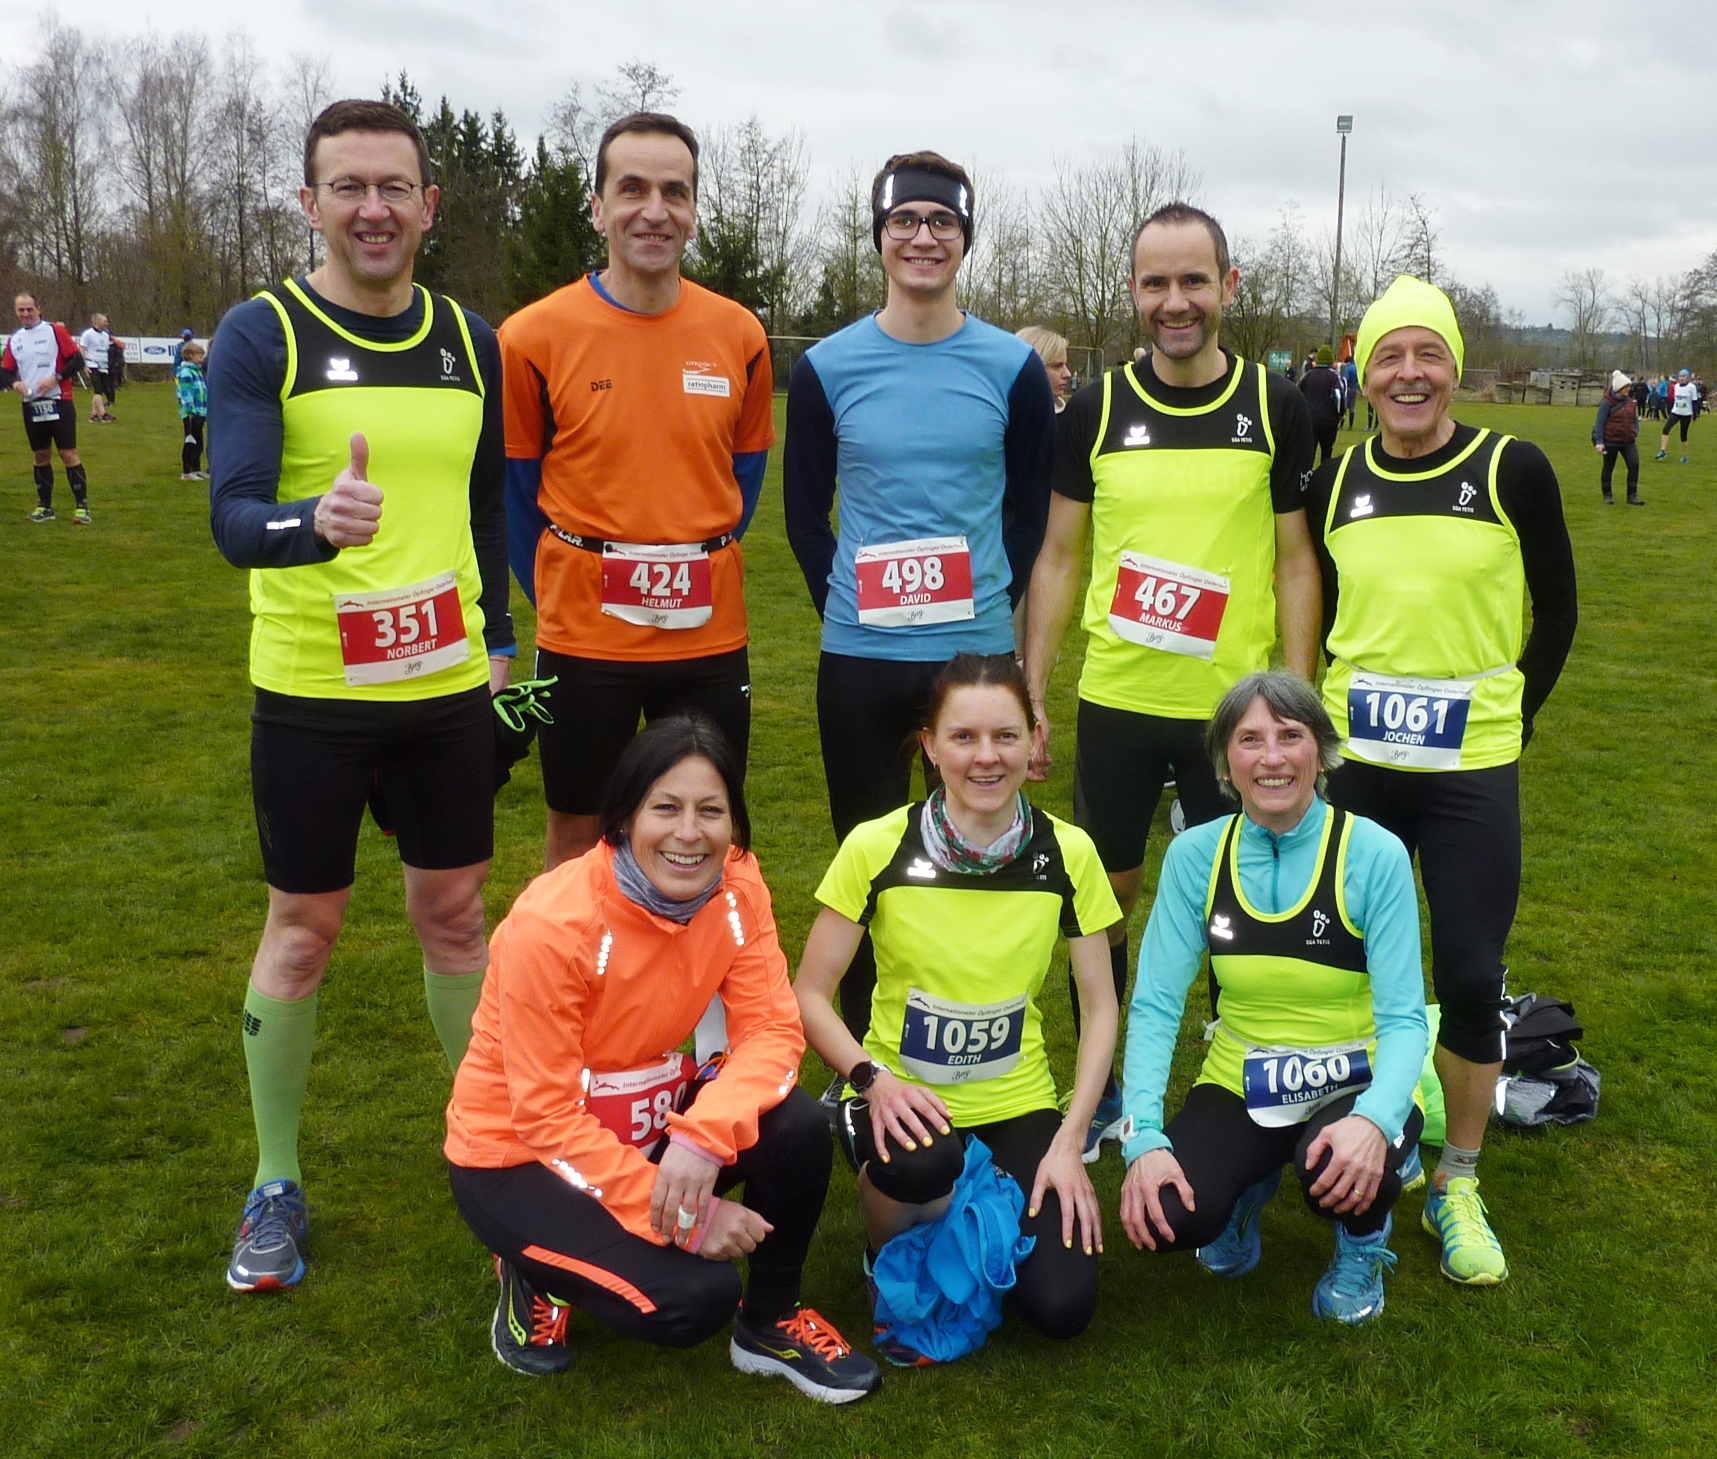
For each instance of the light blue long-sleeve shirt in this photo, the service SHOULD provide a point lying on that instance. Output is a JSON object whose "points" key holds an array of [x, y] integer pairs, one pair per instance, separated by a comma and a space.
{"points": [[1275, 872]]}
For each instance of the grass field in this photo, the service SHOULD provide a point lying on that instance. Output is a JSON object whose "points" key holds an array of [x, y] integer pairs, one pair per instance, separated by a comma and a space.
{"points": [[133, 896]]}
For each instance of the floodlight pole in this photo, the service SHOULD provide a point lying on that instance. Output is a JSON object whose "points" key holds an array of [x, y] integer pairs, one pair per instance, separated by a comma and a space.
{"points": [[1343, 125]]}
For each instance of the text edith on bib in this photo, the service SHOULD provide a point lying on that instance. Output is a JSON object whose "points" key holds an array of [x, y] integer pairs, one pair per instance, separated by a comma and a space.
{"points": [[905, 584], [1168, 606], [656, 587], [401, 633], [1417, 723]]}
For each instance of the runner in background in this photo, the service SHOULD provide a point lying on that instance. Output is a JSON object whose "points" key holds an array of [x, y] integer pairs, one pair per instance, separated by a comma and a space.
{"points": [[39, 363]]}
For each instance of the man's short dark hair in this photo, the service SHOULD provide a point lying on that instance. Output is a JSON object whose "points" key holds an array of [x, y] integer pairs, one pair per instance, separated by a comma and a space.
{"points": [[646, 122], [362, 116], [25, 294], [1175, 214]]}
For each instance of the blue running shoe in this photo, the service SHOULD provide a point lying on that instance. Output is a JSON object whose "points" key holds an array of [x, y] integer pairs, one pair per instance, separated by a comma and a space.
{"points": [[1105, 1125], [1351, 1289], [1412, 1171], [1238, 1249], [266, 1256], [902, 1355]]}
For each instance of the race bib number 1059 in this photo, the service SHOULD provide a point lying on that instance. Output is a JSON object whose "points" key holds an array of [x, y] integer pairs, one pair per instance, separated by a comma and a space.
{"points": [[943, 1042]]}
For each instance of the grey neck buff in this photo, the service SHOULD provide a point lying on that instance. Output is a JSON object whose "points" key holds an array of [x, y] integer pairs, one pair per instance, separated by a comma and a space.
{"points": [[640, 889]]}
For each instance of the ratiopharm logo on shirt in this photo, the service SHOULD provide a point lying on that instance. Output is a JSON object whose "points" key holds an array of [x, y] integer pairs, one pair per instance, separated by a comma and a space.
{"points": [[699, 378]]}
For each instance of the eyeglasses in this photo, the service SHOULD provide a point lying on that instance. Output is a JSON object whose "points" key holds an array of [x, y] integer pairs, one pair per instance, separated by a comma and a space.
{"points": [[944, 227], [350, 190]]}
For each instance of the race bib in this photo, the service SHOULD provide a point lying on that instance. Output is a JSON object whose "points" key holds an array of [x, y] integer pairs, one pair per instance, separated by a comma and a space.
{"points": [[1168, 606], [943, 1042], [43, 410], [1419, 723], [1286, 1086], [905, 584], [402, 633], [634, 1104], [656, 587]]}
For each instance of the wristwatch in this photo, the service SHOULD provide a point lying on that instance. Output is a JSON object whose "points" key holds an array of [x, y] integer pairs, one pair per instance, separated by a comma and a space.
{"points": [[862, 1076]]}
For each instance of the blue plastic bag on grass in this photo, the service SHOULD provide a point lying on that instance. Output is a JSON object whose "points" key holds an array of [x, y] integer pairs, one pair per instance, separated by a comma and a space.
{"points": [[940, 1285]]}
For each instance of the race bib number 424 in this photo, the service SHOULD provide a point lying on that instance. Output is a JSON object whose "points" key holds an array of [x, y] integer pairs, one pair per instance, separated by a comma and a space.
{"points": [[943, 1042], [1417, 723], [402, 633], [657, 587], [1168, 606], [905, 584]]}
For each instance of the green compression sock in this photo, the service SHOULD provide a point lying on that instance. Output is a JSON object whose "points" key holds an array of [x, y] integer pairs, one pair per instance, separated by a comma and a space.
{"points": [[278, 1041], [452, 999]]}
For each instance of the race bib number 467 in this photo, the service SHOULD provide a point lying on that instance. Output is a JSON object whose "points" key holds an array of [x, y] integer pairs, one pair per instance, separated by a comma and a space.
{"points": [[402, 633], [1168, 606], [943, 1042]]}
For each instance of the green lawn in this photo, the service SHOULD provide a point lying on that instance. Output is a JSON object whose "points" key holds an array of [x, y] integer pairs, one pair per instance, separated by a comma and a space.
{"points": [[134, 896]]}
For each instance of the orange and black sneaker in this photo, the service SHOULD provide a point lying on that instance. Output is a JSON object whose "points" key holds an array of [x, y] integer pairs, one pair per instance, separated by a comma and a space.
{"points": [[530, 1326], [805, 1349]]}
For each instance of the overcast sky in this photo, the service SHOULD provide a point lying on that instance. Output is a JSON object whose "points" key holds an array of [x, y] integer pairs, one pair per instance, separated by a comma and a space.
{"points": [[1548, 137]]}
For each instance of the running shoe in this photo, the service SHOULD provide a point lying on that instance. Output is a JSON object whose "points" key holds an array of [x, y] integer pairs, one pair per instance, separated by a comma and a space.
{"points": [[900, 1354], [81, 517], [266, 1256], [1105, 1125], [1634, 501], [44, 514], [1412, 1171], [188, 476], [529, 1330], [1456, 1216], [1239, 1248], [806, 1350], [1683, 460], [1661, 455], [1351, 1288]]}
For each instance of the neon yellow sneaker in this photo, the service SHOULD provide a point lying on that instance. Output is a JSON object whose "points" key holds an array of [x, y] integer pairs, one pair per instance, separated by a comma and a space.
{"points": [[1455, 1215]]}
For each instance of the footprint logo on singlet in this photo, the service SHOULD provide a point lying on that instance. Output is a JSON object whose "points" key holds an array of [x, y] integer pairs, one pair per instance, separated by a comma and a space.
{"points": [[1242, 427], [1320, 923], [1468, 492], [449, 367], [1219, 928]]}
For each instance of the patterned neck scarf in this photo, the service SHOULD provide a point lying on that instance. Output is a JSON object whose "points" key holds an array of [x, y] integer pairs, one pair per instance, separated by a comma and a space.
{"points": [[953, 852]]}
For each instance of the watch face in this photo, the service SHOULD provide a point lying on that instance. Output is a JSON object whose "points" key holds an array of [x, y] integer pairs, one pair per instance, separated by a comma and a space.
{"points": [[863, 1076]]}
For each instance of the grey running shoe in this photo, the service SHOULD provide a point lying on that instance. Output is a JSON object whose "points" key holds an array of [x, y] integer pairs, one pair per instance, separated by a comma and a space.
{"points": [[266, 1257]]}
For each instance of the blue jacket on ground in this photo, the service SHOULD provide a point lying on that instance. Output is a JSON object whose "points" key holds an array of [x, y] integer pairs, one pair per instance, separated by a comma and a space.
{"points": [[940, 1285]]}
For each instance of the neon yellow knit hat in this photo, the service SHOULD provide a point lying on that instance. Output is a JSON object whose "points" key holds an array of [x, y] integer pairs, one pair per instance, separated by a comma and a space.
{"points": [[1406, 302]]}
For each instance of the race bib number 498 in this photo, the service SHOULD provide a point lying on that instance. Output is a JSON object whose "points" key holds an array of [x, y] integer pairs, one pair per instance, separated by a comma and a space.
{"points": [[943, 1042], [1168, 606], [904, 584], [402, 633]]}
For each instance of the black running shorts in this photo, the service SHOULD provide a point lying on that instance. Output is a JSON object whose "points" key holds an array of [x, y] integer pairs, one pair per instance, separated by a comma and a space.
{"points": [[314, 764], [58, 429]]}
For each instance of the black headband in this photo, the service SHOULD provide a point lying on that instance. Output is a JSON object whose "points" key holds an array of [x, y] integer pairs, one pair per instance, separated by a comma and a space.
{"points": [[913, 185]]}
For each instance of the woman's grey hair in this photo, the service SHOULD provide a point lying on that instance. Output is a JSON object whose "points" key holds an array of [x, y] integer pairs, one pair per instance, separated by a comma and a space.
{"points": [[1287, 696]]}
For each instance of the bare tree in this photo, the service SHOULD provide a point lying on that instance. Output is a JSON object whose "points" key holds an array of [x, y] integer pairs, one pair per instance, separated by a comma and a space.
{"points": [[1381, 242], [1420, 238], [752, 244], [57, 126], [1586, 297], [1275, 292], [243, 156], [638, 85], [999, 280], [576, 122], [850, 281]]}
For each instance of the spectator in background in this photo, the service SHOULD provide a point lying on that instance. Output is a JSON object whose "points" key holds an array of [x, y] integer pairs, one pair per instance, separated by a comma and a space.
{"points": [[1052, 350], [1642, 398], [115, 371], [193, 407], [1682, 399], [1323, 391], [1350, 387], [95, 342], [1614, 435], [185, 337]]}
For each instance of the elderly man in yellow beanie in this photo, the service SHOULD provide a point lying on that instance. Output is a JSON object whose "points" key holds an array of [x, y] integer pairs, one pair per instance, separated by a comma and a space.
{"points": [[1432, 535]]}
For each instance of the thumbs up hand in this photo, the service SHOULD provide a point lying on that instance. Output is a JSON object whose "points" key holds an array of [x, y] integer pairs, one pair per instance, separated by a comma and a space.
{"points": [[350, 512]]}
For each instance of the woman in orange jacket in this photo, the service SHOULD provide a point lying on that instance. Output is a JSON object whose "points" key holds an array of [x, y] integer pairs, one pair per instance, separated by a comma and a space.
{"points": [[590, 1154]]}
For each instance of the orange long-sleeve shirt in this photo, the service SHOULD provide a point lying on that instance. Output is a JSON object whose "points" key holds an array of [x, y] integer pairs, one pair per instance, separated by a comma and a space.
{"points": [[581, 977]]}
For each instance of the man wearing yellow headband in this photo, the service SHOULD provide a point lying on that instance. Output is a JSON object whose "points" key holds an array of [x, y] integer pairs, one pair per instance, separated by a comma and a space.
{"points": [[1431, 535]]}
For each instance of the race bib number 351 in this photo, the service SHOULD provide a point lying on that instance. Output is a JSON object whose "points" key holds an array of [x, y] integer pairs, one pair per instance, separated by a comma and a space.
{"points": [[402, 633], [657, 587], [1418, 723], [943, 1042], [1168, 606], [904, 584]]}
